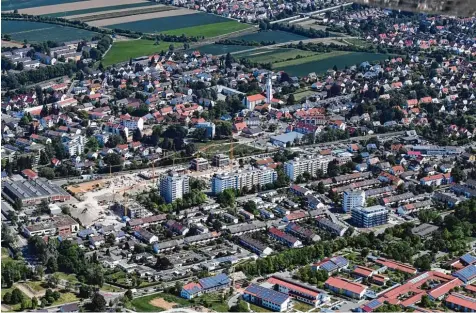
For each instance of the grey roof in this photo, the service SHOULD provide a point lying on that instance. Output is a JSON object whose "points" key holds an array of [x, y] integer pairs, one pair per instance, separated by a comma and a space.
{"points": [[424, 229], [246, 227], [30, 189]]}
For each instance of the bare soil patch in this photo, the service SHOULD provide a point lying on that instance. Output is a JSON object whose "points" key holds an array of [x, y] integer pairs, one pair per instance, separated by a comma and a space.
{"points": [[140, 17], [85, 187], [81, 5], [162, 303]]}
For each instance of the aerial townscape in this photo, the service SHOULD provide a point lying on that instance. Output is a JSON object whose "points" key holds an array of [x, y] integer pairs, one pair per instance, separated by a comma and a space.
{"points": [[237, 156]]}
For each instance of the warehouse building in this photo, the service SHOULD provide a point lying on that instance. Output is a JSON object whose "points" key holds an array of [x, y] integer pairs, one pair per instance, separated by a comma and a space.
{"points": [[33, 192]]}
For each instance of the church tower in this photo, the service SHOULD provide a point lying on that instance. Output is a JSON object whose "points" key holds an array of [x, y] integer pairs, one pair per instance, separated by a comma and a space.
{"points": [[269, 91]]}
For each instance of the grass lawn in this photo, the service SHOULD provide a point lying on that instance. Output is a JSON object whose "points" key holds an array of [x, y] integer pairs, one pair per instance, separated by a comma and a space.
{"points": [[303, 307], [256, 308], [202, 145], [66, 298], [277, 55], [316, 57], [303, 94], [69, 277], [36, 285], [357, 42], [122, 51], [110, 288], [5, 290], [209, 30]]}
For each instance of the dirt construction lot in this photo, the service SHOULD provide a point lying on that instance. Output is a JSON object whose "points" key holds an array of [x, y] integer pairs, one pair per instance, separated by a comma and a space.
{"points": [[86, 187], [81, 5], [161, 303], [140, 17]]}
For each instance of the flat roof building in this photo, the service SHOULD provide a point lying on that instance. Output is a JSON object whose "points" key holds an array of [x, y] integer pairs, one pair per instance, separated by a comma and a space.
{"points": [[199, 164], [370, 217], [32, 192]]}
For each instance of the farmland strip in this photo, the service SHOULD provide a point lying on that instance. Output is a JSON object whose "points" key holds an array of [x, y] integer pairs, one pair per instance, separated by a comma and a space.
{"points": [[97, 17]]}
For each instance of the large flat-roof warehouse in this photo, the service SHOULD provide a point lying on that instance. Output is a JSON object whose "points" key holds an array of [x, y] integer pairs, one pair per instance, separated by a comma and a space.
{"points": [[31, 192]]}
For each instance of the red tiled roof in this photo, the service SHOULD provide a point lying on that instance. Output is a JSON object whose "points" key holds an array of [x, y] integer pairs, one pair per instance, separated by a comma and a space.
{"points": [[363, 271], [464, 301], [402, 267], [277, 281], [257, 97], [346, 285], [29, 173]]}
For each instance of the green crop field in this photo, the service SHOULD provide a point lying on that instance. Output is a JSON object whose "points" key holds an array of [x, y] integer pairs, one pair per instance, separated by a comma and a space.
{"points": [[122, 51], [163, 24], [320, 63], [276, 55], [209, 30], [102, 9], [271, 35], [37, 31], [217, 49]]}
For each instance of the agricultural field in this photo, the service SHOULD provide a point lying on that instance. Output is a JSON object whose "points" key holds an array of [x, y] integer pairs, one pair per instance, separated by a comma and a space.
{"points": [[37, 32], [10, 5], [216, 49], [320, 63], [210, 30], [120, 13], [277, 36], [122, 51], [274, 55], [149, 22], [66, 14], [177, 22], [45, 7]]}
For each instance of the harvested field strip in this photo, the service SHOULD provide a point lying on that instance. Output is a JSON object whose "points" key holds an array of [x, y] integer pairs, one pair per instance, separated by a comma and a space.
{"points": [[317, 57], [162, 21], [61, 6], [117, 14], [10, 5], [210, 30], [68, 14], [144, 22], [274, 56]]}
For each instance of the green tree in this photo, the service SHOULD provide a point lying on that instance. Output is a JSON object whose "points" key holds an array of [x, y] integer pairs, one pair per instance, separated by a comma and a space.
{"points": [[227, 198], [98, 303], [92, 144], [46, 172]]}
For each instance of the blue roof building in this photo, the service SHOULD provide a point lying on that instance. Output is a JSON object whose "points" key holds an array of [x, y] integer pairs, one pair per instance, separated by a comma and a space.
{"points": [[467, 274], [267, 298], [468, 259], [331, 264]]}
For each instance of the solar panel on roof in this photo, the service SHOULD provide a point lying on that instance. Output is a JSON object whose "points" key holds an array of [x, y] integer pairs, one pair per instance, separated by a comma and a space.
{"points": [[267, 294], [374, 304], [214, 281], [466, 273], [468, 258], [329, 266]]}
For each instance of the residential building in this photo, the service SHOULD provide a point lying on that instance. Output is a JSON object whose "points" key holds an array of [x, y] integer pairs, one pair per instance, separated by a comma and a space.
{"points": [[466, 274], [256, 246], [353, 199], [173, 186], [177, 227], [220, 160], [209, 127], [311, 165], [302, 232], [199, 164], [287, 239], [145, 236], [243, 178], [330, 226], [370, 216], [267, 298]]}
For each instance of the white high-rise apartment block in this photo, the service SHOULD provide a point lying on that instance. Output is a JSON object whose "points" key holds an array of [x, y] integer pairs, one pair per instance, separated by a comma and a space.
{"points": [[310, 164], [353, 199], [173, 186], [243, 178]]}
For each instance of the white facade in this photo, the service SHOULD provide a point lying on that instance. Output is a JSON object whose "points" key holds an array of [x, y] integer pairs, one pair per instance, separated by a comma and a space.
{"points": [[299, 166], [75, 145], [173, 186], [240, 179], [133, 123], [269, 91], [353, 199]]}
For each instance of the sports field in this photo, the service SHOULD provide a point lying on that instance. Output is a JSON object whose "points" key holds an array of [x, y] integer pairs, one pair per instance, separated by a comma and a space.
{"points": [[122, 51]]}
